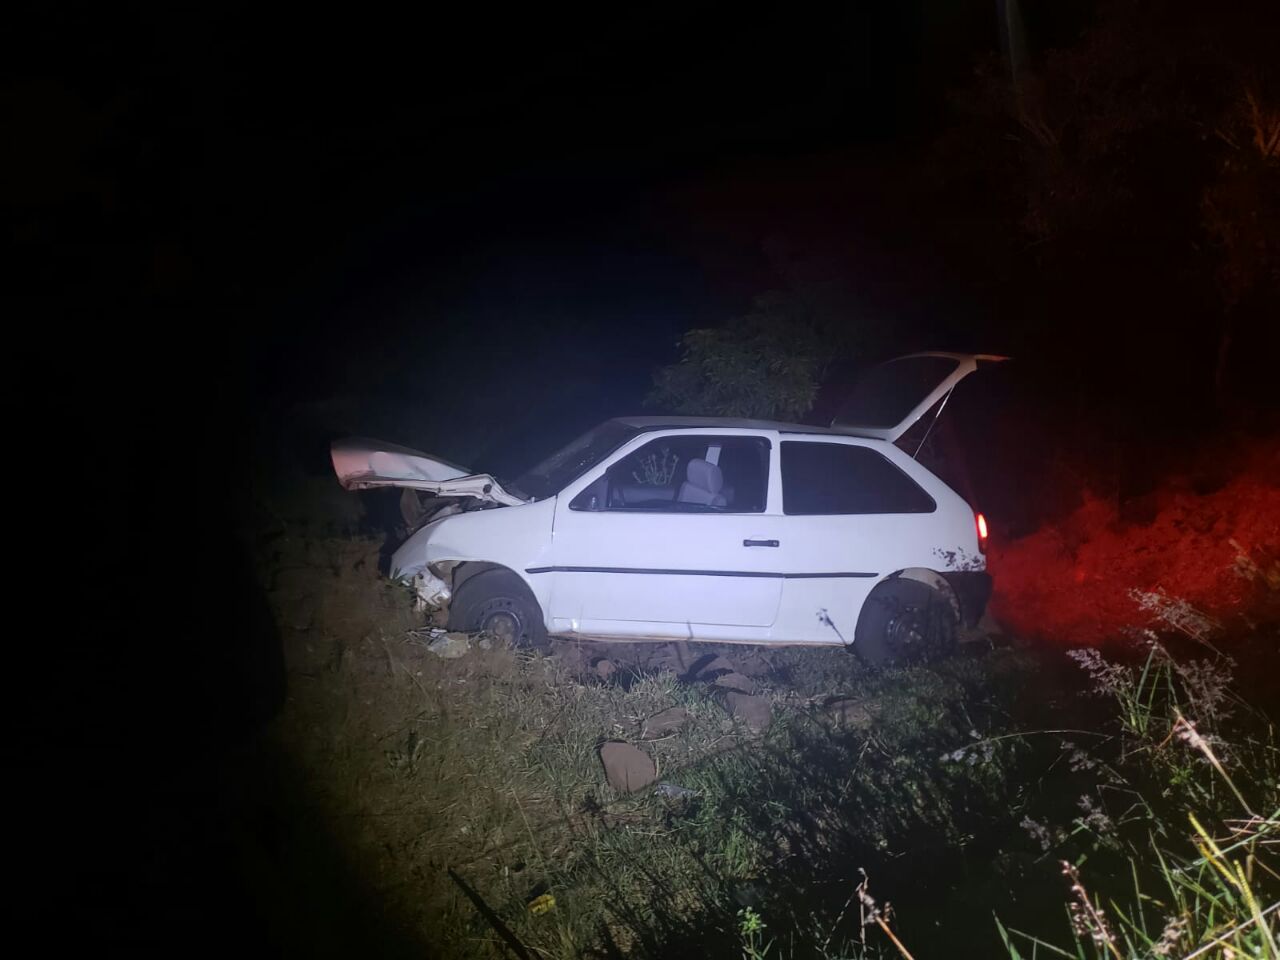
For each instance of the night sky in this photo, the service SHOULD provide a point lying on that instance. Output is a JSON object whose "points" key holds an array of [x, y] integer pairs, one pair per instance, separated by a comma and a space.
{"points": [[480, 232], [406, 208]]}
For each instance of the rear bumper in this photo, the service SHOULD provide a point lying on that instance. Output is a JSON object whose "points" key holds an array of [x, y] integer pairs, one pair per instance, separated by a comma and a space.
{"points": [[973, 590]]}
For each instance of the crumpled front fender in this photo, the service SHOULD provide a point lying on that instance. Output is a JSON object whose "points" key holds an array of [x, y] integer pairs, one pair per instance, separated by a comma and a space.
{"points": [[430, 592]]}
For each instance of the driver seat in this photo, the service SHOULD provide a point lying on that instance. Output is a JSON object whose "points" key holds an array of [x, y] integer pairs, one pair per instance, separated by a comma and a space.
{"points": [[703, 484]]}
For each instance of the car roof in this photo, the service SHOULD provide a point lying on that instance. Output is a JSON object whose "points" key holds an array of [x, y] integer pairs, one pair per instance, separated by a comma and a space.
{"points": [[650, 424]]}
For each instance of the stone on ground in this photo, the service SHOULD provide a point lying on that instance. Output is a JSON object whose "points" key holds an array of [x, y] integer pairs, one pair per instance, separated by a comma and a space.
{"points": [[627, 768], [668, 721], [753, 711], [734, 681], [605, 669], [450, 646], [713, 667]]}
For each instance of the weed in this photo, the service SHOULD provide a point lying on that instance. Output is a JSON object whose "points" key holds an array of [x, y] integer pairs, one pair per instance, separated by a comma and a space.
{"points": [[751, 929], [1217, 901]]}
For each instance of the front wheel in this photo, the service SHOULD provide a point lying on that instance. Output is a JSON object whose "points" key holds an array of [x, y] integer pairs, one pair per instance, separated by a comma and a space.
{"points": [[498, 602], [904, 621]]}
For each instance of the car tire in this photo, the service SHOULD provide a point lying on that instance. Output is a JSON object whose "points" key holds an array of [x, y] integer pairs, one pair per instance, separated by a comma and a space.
{"points": [[498, 602], [904, 621]]}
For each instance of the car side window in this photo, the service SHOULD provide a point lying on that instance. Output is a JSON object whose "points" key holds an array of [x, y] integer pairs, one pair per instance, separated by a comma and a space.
{"points": [[840, 478], [685, 474]]}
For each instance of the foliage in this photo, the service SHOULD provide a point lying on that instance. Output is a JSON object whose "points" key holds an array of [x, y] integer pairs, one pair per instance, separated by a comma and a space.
{"points": [[1147, 147], [767, 364], [1218, 903]]}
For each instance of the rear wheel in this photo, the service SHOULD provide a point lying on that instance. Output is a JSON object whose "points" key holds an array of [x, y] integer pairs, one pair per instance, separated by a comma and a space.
{"points": [[904, 621], [498, 603]]}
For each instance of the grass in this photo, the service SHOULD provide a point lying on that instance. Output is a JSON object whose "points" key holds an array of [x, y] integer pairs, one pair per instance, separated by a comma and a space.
{"points": [[957, 788], [1194, 891]]}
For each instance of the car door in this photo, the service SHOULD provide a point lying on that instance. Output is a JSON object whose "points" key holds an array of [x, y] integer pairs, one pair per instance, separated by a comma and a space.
{"points": [[852, 514], [673, 537]]}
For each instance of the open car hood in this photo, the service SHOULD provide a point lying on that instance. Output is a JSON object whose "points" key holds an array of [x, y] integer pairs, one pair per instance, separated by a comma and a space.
{"points": [[364, 464], [889, 400]]}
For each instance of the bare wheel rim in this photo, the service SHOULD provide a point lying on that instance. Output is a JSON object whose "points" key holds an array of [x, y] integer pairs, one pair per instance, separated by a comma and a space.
{"points": [[907, 632], [502, 624]]}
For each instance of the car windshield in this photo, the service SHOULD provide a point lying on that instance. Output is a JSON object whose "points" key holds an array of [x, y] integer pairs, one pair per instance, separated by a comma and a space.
{"points": [[549, 477]]}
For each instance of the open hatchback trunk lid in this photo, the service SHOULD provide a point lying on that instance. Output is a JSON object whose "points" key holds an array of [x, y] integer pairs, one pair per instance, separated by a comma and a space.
{"points": [[892, 397], [364, 464]]}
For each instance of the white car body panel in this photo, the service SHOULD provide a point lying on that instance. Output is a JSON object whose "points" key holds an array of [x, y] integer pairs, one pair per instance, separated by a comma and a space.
{"points": [[518, 538], [615, 573], [814, 582], [758, 577], [866, 549], [368, 464]]}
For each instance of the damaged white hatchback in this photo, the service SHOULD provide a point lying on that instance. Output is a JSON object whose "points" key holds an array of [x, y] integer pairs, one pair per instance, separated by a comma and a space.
{"points": [[662, 528]]}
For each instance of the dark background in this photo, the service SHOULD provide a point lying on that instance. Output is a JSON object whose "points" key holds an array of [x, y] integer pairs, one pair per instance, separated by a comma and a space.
{"points": [[235, 233], [483, 232]]}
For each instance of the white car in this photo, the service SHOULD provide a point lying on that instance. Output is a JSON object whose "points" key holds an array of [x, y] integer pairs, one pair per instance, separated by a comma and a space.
{"points": [[745, 531]]}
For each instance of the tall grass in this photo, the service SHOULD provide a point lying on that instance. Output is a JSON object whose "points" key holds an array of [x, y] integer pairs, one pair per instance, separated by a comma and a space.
{"points": [[1204, 878]]}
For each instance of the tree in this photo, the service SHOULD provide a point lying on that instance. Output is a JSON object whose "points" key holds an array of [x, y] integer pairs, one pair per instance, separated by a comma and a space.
{"points": [[767, 364], [1241, 212], [1142, 164]]}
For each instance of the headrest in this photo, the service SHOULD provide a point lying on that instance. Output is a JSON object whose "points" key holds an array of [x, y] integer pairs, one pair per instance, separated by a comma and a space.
{"points": [[705, 476]]}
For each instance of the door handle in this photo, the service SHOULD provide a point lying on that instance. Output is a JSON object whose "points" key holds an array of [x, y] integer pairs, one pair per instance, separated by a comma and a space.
{"points": [[760, 543]]}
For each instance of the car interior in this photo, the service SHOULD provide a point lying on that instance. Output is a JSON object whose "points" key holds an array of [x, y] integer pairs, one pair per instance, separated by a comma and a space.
{"points": [[685, 475]]}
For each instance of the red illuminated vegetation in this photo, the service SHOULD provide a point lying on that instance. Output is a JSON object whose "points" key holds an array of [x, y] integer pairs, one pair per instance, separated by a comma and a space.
{"points": [[1095, 574]]}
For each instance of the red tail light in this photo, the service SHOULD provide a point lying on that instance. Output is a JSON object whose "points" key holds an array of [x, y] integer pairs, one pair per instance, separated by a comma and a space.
{"points": [[982, 532]]}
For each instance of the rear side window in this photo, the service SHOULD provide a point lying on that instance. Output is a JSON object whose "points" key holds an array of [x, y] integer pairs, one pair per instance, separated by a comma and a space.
{"points": [[838, 478]]}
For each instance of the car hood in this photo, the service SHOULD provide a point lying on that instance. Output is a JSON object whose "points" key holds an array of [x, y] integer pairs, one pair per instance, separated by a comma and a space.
{"points": [[363, 464], [888, 401]]}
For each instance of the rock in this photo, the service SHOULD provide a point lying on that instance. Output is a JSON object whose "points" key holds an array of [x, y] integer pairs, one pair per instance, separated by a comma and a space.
{"points": [[848, 712], [712, 668], [605, 669], [627, 768], [450, 646], [751, 710], [734, 681], [668, 721]]}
